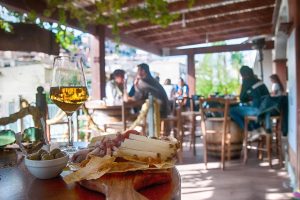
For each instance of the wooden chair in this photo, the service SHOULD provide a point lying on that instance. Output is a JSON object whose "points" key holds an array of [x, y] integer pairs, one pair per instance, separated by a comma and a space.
{"points": [[189, 116], [265, 141], [59, 119], [173, 121], [207, 116], [128, 116], [86, 123], [30, 134]]}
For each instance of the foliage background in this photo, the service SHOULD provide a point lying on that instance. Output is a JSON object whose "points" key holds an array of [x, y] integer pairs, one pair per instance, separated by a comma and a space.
{"points": [[219, 74]]}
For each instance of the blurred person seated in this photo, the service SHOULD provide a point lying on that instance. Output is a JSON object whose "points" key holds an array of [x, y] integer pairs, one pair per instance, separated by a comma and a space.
{"points": [[182, 89], [253, 91], [277, 87], [145, 84], [170, 91], [115, 88], [182, 93]]}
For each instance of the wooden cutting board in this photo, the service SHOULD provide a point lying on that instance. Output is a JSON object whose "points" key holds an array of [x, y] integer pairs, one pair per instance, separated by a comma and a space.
{"points": [[126, 186]]}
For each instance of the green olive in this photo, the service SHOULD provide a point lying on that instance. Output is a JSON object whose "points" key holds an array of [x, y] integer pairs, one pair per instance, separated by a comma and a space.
{"points": [[55, 151], [34, 156], [47, 157], [59, 155], [42, 151]]}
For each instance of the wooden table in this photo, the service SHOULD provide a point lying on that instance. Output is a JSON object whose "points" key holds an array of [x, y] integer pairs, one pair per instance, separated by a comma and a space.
{"points": [[106, 113], [17, 183]]}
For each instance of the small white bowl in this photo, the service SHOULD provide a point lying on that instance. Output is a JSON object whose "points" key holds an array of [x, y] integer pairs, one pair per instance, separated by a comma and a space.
{"points": [[46, 169]]}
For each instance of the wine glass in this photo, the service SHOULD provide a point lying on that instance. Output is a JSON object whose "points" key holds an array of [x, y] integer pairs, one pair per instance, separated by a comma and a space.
{"points": [[68, 88]]}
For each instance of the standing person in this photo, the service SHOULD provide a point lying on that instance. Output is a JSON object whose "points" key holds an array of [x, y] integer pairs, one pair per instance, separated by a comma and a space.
{"points": [[145, 84], [169, 88], [277, 87], [115, 88], [252, 92]]}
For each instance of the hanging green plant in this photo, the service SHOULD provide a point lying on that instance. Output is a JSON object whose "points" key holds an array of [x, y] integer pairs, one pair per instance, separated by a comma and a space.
{"points": [[110, 13], [5, 26]]}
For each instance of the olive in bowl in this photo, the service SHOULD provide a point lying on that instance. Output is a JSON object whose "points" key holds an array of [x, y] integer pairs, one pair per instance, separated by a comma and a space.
{"points": [[46, 165]]}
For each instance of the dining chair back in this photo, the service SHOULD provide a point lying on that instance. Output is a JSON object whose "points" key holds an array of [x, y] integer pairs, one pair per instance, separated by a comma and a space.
{"points": [[218, 114], [189, 125], [129, 112], [265, 140]]}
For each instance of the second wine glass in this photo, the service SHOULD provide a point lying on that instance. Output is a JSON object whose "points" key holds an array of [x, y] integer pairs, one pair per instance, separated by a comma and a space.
{"points": [[68, 87]]}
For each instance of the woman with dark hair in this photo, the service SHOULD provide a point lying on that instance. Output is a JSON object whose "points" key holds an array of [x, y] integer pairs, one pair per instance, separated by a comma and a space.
{"points": [[114, 89], [277, 87]]}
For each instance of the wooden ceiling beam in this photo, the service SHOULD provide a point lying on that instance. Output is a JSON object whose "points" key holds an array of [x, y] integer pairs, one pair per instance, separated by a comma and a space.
{"points": [[25, 6], [39, 6], [29, 37], [218, 49], [217, 38], [175, 6], [214, 33], [213, 28], [128, 3], [136, 42], [204, 14], [221, 21]]}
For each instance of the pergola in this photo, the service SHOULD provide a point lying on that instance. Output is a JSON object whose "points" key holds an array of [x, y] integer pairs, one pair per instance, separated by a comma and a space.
{"points": [[212, 20], [207, 20]]}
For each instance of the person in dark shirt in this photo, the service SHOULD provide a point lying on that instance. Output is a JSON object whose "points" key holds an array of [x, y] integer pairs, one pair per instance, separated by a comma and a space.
{"points": [[252, 92], [145, 84]]}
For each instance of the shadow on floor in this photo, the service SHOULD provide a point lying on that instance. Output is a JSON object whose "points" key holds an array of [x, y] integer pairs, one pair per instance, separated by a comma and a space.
{"points": [[253, 181]]}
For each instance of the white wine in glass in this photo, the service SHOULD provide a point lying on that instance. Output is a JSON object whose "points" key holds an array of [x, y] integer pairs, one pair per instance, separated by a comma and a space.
{"points": [[68, 87]]}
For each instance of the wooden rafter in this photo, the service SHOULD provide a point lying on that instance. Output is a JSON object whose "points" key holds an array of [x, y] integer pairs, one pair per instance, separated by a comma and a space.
{"points": [[212, 29], [204, 14], [29, 37], [40, 6], [216, 38], [128, 4], [212, 35], [216, 49], [220, 19], [266, 16], [174, 6]]}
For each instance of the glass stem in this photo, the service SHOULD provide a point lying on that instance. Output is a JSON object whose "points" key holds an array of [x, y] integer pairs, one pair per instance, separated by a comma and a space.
{"points": [[71, 138]]}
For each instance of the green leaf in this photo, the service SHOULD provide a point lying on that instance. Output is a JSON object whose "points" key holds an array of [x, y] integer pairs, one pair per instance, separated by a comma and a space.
{"points": [[31, 17], [7, 27]]}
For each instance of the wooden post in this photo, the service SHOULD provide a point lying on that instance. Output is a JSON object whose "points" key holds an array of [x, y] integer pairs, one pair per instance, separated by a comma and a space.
{"points": [[295, 18], [281, 71], [21, 120], [191, 73], [98, 63], [41, 103]]}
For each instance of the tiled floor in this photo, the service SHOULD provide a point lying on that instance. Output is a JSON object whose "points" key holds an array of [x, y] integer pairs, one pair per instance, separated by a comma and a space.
{"points": [[254, 181]]}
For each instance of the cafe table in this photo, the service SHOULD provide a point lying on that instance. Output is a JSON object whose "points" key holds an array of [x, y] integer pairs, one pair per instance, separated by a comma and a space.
{"points": [[107, 113], [16, 183]]}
